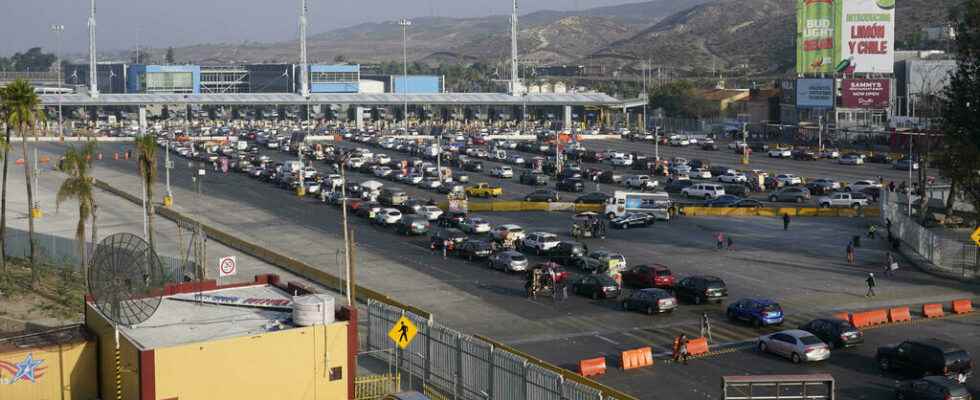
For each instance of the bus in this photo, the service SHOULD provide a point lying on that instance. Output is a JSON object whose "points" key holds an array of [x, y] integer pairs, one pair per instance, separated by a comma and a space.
{"points": [[657, 204]]}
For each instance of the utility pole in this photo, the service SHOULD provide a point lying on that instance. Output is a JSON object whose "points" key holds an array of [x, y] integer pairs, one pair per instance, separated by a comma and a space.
{"points": [[745, 143], [820, 134], [348, 247], [514, 79], [405, 23], [303, 79], [93, 80], [59, 30]]}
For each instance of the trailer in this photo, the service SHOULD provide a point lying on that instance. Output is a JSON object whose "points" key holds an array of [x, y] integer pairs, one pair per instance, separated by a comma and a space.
{"points": [[657, 204]]}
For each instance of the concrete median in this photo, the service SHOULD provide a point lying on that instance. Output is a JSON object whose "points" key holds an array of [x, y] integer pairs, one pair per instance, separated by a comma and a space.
{"points": [[779, 211]]}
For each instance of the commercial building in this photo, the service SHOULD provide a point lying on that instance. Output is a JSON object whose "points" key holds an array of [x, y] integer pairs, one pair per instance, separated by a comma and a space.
{"points": [[52, 364], [224, 79], [181, 79], [112, 76], [335, 78], [204, 337], [271, 78], [918, 81], [417, 84]]}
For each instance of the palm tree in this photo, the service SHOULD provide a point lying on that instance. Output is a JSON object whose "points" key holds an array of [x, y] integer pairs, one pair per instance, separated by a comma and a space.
{"points": [[146, 148], [5, 145], [23, 110], [79, 185]]}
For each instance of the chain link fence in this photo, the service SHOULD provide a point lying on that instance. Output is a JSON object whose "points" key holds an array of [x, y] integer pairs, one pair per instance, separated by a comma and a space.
{"points": [[465, 367], [947, 255], [58, 251]]}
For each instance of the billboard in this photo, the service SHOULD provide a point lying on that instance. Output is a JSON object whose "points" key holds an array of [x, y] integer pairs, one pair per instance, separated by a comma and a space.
{"points": [[815, 36], [866, 93], [867, 36], [815, 93]]}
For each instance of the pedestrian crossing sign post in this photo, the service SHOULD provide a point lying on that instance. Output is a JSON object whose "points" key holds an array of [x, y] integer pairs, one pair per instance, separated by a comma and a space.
{"points": [[403, 332], [976, 236]]}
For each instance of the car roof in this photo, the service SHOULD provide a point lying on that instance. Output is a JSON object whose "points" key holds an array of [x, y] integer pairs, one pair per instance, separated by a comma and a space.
{"points": [[797, 333], [943, 345], [760, 301]]}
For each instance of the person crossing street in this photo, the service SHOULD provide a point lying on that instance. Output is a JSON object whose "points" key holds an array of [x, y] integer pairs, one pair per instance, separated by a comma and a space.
{"points": [[785, 221], [871, 284]]}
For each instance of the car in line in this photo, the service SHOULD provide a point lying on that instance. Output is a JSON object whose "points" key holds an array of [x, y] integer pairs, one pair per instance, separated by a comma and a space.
{"points": [[412, 226], [593, 198], [776, 152], [501, 232], [843, 199], [650, 301], [861, 186], [794, 344], [431, 213], [474, 249], [570, 185], [508, 261], [632, 220], [474, 225], [705, 191], [822, 185], [699, 289], [794, 194], [388, 216], [923, 357], [502, 172], [932, 388], [441, 236], [542, 196], [837, 333], [851, 159], [904, 165], [677, 186], [540, 242], [597, 286], [727, 200], [565, 253], [451, 218], [648, 276], [733, 177], [788, 180], [642, 182], [533, 178], [758, 312]]}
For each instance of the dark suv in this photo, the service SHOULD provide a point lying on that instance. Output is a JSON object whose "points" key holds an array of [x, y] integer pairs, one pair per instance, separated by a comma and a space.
{"points": [[701, 288], [835, 332], [923, 357], [566, 252], [533, 178]]}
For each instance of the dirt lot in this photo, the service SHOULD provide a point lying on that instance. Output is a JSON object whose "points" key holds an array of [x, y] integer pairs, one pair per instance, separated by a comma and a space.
{"points": [[56, 301]]}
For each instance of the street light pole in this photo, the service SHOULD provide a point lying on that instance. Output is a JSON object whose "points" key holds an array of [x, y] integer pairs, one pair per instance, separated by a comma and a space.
{"points": [[59, 29], [405, 23]]}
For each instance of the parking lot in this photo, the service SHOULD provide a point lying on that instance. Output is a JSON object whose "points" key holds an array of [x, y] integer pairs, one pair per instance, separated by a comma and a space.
{"points": [[803, 268]]}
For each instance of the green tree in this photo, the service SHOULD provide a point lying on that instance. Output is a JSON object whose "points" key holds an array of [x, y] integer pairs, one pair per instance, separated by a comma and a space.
{"points": [[170, 55], [5, 148], [960, 161], [79, 186], [146, 150], [32, 60], [23, 111]]}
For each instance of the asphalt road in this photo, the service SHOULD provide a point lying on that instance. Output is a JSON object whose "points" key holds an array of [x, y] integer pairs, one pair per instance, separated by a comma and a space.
{"points": [[801, 268]]}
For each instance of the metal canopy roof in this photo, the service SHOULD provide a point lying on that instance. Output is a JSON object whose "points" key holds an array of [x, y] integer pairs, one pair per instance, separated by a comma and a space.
{"points": [[497, 99]]}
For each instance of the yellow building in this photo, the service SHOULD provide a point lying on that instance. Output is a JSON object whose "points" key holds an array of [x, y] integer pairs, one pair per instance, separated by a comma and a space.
{"points": [[237, 342], [54, 364]]}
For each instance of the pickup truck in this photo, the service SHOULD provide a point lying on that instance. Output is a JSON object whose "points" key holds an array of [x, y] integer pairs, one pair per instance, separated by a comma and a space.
{"points": [[852, 199], [484, 190]]}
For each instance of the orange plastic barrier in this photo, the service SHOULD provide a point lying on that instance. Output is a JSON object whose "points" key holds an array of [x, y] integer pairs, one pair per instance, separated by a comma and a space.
{"points": [[637, 358], [592, 366], [899, 314], [20, 161], [877, 317], [697, 346], [45, 159], [859, 320], [962, 306], [843, 315], [932, 310]]}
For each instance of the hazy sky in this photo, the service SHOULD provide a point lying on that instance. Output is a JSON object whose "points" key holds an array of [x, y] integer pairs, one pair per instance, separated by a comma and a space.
{"points": [[121, 24]]}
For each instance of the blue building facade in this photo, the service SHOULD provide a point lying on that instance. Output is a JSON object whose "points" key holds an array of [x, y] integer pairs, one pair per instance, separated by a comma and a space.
{"points": [[417, 84], [164, 79], [335, 78]]}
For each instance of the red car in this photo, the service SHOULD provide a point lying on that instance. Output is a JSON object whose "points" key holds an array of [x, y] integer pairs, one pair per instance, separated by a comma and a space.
{"points": [[647, 276]]}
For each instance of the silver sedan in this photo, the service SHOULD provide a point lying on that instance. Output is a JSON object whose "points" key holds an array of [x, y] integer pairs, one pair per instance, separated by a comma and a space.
{"points": [[508, 261], [796, 345]]}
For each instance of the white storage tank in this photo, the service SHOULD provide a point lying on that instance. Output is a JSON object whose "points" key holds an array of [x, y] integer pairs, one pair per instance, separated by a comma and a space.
{"points": [[313, 309]]}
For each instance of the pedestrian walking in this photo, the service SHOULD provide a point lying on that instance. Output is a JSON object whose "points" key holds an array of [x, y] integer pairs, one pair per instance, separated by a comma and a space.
{"points": [[850, 253], [891, 265], [891, 186], [720, 240], [445, 248], [731, 243], [872, 229], [705, 327], [872, 282], [785, 221]]}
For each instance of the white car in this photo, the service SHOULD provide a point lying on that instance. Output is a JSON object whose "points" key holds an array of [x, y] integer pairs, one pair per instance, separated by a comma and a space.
{"points": [[733, 177], [679, 141], [621, 161], [851, 159], [859, 186], [272, 144], [701, 173], [382, 172], [430, 213], [412, 179], [474, 225], [503, 172], [796, 345], [355, 162], [430, 183], [847, 199], [388, 216], [515, 159], [789, 179], [640, 182], [704, 190], [501, 232], [780, 153], [540, 242], [828, 153], [309, 172], [333, 180], [382, 158]]}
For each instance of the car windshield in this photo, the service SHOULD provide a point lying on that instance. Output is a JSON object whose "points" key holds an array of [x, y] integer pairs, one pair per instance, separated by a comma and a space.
{"points": [[518, 257], [714, 284], [808, 340]]}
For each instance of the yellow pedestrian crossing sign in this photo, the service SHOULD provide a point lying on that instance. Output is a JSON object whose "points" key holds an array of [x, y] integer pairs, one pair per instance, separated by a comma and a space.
{"points": [[403, 332], [976, 236]]}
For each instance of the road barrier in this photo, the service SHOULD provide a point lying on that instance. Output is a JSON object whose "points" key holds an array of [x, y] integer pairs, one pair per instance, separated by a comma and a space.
{"points": [[933, 310], [778, 212], [592, 366], [899, 314], [697, 346], [869, 318], [844, 315], [636, 358], [963, 306]]}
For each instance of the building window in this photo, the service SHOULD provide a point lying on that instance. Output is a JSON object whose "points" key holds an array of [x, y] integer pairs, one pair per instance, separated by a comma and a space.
{"points": [[336, 373], [333, 77], [169, 82]]}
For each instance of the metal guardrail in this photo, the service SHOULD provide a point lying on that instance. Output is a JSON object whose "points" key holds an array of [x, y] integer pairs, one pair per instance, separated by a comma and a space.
{"points": [[947, 255], [374, 387]]}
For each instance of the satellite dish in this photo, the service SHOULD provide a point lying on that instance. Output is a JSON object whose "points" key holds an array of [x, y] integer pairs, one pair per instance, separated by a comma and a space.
{"points": [[125, 279]]}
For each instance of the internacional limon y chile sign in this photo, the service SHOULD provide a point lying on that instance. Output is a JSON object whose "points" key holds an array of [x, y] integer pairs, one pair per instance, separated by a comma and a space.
{"points": [[845, 36]]}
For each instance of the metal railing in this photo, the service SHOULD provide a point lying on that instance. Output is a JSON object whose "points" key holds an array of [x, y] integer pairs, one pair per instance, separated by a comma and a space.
{"points": [[374, 387], [947, 255], [465, 367], [58, 251]]}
